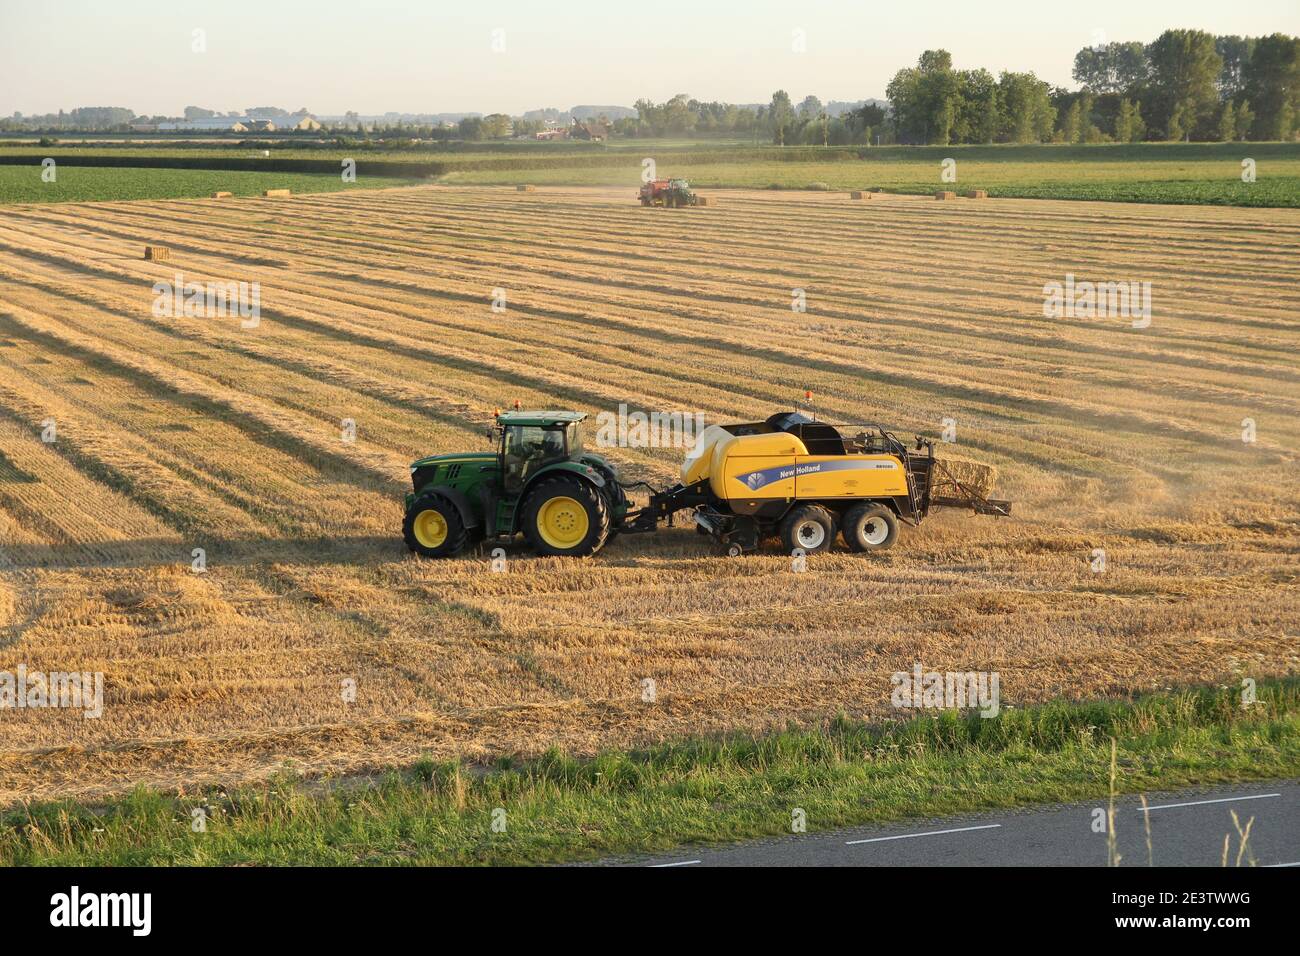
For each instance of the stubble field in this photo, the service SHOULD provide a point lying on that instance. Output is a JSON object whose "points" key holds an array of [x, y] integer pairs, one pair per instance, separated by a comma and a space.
{"points": [[176, 433]]}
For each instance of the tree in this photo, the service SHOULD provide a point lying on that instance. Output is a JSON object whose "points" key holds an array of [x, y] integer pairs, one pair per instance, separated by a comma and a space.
{"points": [[1130, 64], [938, 88], [1245, 119], [1111, 67], [470, 128], [859, 124], [1185, 72], [678, 116], [924, 99], [497, 126], [904, 94], [1235, 52], [1272, 86], [1129, 127], [870, 114], [1027, 113], [978, 112], [1070, 124], [810, 108], [780, 115], [1227, 123]]}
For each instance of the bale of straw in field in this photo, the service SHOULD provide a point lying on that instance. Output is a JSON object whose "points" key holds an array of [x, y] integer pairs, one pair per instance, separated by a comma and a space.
{"points": [[157, 253], [705, 201], [222, 195], [972, 475], [945, 194], [526, 189], [859, 194], [977, 194], [275, 193]]}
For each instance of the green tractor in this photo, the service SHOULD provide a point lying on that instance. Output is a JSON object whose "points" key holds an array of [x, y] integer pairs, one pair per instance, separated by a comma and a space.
{"points": [[540, 481]]}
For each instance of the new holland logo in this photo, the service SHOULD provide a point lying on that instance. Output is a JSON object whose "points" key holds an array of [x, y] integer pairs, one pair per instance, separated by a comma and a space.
{"points": [[754, 480]]}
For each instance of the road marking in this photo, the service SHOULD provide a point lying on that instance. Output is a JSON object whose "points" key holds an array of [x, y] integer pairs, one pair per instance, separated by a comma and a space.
{"points": [[1272, 865], [906, 836], [1197, 803], [659, 866]]}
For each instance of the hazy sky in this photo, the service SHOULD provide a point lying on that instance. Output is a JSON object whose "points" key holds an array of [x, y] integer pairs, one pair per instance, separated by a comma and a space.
{"points": [[437, 56]]}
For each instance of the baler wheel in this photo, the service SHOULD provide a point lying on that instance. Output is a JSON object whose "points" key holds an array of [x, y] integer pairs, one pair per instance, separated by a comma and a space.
{"points": [[810, 528], [870, 527]]}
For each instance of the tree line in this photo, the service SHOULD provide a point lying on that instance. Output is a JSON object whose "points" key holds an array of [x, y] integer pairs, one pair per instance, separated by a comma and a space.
{"points": [[1185, 85], [811, 123]]}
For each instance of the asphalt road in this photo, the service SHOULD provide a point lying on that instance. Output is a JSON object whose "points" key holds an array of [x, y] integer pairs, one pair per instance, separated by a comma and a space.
{"points": [[1187, 829]]}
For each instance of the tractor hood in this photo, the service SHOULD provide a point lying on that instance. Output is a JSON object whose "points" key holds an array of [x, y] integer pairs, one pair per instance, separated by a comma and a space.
{"points": [[468, 456]]}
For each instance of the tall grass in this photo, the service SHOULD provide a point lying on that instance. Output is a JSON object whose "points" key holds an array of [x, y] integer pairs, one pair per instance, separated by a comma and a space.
{"points": [[701, 789]]}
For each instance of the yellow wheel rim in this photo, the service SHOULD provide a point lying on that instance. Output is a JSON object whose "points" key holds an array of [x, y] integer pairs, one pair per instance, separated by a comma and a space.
{"points": [[430, 528], [562, 522]]}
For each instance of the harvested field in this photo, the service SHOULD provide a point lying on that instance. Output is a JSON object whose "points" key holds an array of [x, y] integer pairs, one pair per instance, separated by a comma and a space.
{"points": [[176, 433]]}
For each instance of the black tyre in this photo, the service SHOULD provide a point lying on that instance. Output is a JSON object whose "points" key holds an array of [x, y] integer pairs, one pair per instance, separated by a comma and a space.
{"points": [[809, 527], [870, 527], [433, 527], [566, 516]]}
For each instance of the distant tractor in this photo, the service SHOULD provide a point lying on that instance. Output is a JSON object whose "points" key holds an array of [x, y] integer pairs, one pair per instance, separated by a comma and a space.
{"points": [[668, 193]]}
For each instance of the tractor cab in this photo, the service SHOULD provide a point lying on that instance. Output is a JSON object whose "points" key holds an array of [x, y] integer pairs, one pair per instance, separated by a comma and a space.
{"points": [[531, 442]]}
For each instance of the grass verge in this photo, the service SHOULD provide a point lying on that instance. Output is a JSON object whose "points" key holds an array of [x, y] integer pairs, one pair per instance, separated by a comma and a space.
{"points": [[558, 808]]}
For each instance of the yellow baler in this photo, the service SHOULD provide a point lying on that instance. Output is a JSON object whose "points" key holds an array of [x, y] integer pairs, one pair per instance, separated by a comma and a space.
{"points": [[804, 480]]}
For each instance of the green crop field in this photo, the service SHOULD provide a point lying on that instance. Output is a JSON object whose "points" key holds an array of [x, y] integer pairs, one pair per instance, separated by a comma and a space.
{"points": [[1195, 173], [22, 184], [1155, 174]]}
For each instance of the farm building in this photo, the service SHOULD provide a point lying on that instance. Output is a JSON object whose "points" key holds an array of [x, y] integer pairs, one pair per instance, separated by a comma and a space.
{"points": [[205, 126]]}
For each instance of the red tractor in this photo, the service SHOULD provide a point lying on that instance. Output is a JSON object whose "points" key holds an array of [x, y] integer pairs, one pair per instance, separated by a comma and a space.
{"points": [[667, 193]]}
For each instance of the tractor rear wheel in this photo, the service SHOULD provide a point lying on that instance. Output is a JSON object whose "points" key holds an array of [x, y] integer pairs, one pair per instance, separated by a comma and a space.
{"points": [[433, 527], [566, 516], [870, 527], [810, 528]]}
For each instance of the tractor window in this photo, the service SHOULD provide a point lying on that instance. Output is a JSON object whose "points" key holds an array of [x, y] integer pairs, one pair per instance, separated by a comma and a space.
{"points": [[526, 449], [575, 438]]}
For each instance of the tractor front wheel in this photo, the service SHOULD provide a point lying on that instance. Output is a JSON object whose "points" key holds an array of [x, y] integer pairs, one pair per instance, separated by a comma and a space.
{"points": [[566, 516], [433, 527]]}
